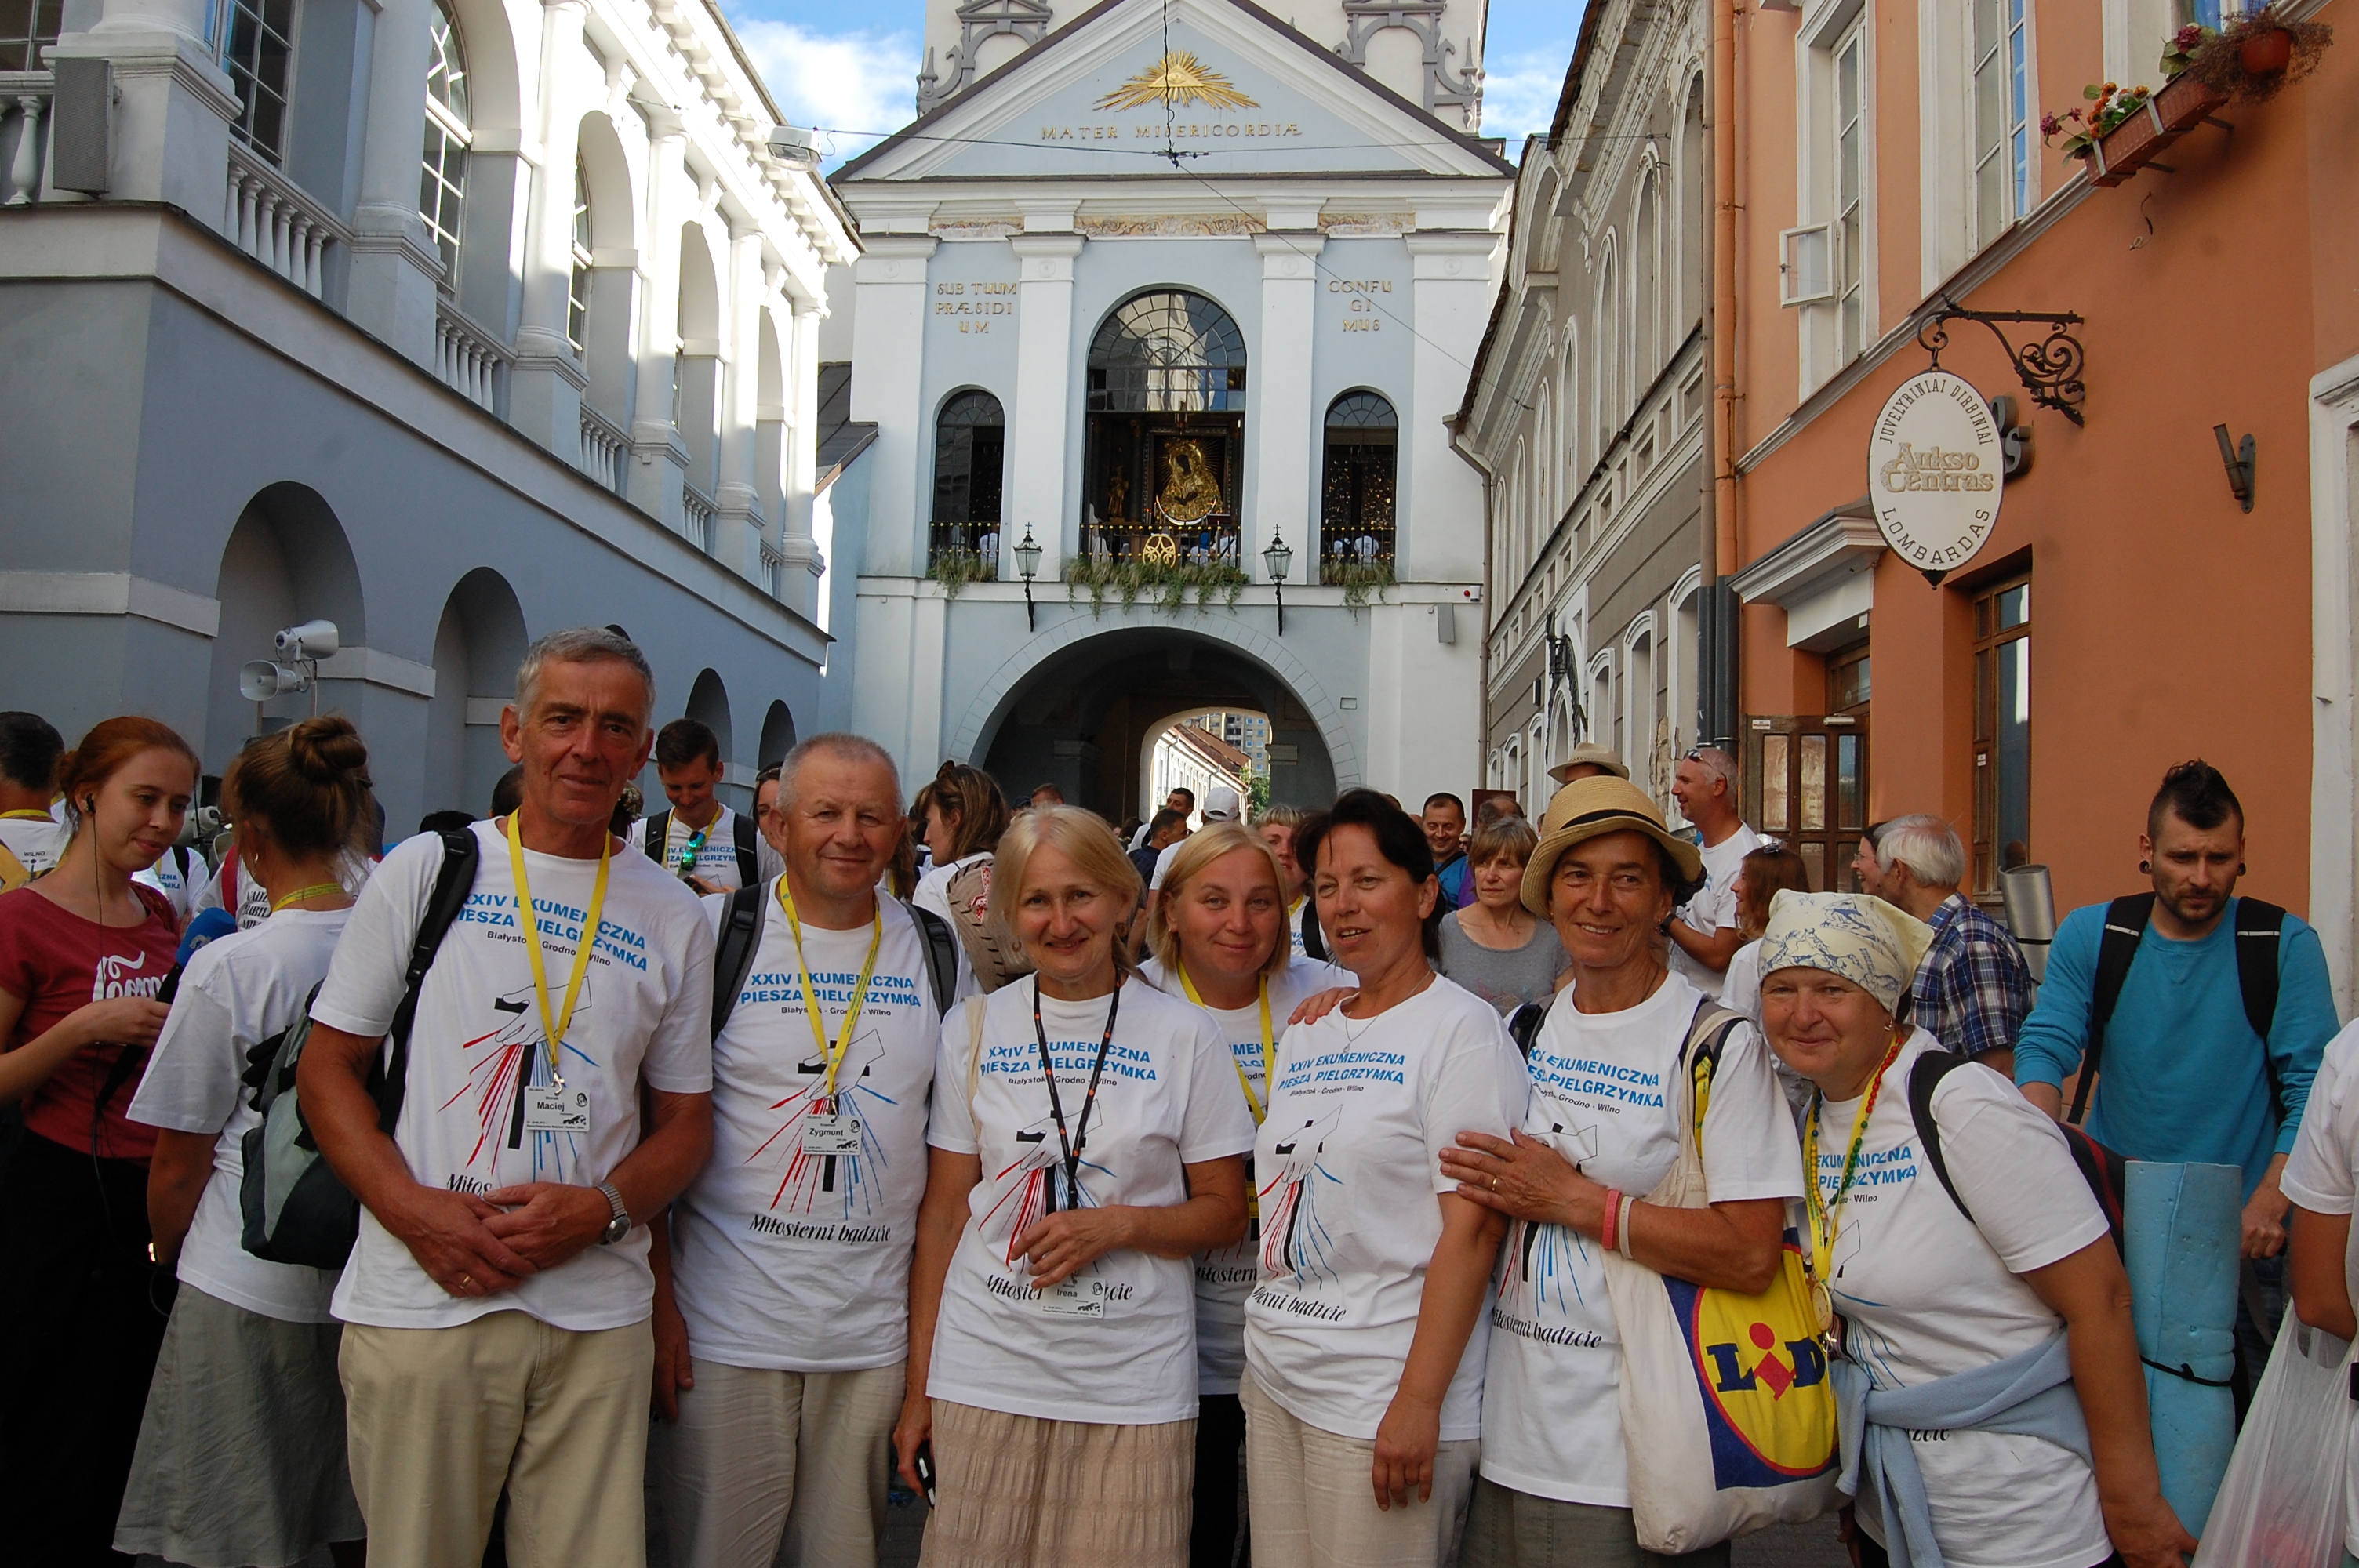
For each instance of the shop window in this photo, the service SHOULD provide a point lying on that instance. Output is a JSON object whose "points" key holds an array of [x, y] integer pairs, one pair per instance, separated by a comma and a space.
{"points": [[970, 448], [2002, 730], [1356, 487], [1806, 782], [257, 49], [443, 184], [1847, 679]]}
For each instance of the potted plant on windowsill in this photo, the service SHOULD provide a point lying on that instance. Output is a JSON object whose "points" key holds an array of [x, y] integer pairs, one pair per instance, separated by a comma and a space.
{"points": [[2257, 56], [2123, 129]]}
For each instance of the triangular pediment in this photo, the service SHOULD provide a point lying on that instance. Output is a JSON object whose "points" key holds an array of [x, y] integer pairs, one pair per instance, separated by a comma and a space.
{"points": [[1103, 97]]}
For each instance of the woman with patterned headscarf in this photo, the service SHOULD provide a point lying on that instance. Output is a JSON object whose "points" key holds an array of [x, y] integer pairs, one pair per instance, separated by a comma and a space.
{"points": [[1993, 1410]]}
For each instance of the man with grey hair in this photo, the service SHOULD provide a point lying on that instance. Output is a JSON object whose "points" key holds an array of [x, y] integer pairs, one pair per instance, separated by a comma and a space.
{"points": [[551, 1054], [781, 1317], [1974, 990], [1703, 931]]}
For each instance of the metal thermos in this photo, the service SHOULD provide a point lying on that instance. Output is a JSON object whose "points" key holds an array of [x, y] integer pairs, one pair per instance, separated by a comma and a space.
{"points": [[2031, 900]]}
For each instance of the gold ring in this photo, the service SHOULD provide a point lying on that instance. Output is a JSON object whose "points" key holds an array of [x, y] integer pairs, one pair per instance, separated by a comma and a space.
{"points": [[468, 1281], [1495, 1184]]}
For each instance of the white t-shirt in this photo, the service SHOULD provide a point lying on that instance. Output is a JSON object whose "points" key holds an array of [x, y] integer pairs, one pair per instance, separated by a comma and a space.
{"points": [[2322, 1175], [642, 1017], [234, 994], [1225, 1278], [179, 891], [1167, 1097], [1740, 989], [1551, 1423], [1348, 1172], [798, 1260], [716, 858], [36, 841], [1925, 1293], [252, 898], [1714, 908]]}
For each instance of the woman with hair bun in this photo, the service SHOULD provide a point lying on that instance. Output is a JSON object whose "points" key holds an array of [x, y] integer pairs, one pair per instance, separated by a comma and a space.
{"points": [[241, 1455], [84, 952]]}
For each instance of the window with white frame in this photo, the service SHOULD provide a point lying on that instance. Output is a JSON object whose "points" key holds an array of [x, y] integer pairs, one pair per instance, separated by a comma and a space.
{"points": [[1535, 779], [1639, 684], [2002, 116], [577, 292], [1610, 327], [1850, 143], [1569, 450], [442, 185], [1605, 724]]}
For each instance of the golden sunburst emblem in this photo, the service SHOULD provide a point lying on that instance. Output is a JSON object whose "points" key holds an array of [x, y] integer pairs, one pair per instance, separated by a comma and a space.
{"points": [[1178, 77]]}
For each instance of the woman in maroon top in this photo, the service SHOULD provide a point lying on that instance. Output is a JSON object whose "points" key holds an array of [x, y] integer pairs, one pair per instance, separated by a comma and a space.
{"points": [[83, 953]]}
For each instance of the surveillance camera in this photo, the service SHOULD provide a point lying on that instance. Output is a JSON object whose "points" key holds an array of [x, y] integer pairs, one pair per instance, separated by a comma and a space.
{"points": [[311, 640], [793, 144], [259, 680]]}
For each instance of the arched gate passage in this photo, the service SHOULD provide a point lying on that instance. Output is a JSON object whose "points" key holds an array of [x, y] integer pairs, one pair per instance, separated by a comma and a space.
{"points": [[1080, 717]]}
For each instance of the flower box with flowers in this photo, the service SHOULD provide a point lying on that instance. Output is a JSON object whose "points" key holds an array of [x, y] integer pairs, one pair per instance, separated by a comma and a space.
{"points": [[2122, 130]]}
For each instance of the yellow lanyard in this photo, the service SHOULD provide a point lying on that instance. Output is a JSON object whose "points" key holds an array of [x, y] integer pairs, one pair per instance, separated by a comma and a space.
{"points": [[834, 1058], [1820, 1209], [300, 894], [554, 1027], [27, 814], [1269, 1047]]}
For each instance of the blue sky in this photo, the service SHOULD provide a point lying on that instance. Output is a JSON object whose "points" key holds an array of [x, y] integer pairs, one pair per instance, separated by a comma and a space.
{"points": [[853, 69]]}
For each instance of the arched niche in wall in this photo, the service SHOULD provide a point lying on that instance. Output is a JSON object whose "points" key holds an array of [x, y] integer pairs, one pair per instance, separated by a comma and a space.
{"points": [[477, 647], [777, 735], [286, 560]]}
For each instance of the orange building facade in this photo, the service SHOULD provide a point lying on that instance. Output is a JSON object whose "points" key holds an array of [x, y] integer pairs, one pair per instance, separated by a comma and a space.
{"points": [[2126, 611]]}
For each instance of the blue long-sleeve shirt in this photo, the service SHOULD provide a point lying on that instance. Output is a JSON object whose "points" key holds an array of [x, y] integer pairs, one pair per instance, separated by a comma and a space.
{"points": [[2183, 1076]]}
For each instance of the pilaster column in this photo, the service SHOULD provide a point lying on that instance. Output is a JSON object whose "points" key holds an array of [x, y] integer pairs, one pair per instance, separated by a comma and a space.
{"points": [[395, 264], [1450, 272], [805, 569], [170, 128], [888, 353], [659, 461], [1037, 469], [1286, 426], [736, 500], [546, 383]]}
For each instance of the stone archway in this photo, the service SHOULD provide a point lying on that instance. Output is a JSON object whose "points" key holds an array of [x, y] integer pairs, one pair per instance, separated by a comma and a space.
{"points": [[286, 561], [1078, 711]]}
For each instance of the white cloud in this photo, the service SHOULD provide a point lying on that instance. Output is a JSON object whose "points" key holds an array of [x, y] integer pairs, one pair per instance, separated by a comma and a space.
{"points": [[863, 83], [1519, 95]]}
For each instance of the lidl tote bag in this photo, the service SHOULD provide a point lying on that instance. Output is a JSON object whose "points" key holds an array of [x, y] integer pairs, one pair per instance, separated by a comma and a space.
{"points": [[1726, 1409]]}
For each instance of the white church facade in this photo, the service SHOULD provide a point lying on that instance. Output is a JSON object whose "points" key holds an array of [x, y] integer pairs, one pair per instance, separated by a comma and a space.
{"points": [[1161, 310]]}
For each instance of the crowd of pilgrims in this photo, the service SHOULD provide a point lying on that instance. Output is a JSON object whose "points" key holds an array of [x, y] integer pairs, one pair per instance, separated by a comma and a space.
{"points": [[1202, 1224]]}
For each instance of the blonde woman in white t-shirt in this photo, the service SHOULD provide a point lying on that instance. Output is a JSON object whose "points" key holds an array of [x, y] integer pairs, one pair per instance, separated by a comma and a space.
{"points": [[1088, 1140], [241, 1455], [1219, 939], [1996, 1292], [1365, 1339]]}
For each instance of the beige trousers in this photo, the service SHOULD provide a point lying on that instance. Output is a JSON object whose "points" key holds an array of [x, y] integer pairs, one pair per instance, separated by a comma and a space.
{"points": [[1314, 1505], [1016, 1491], [442, 1418], [760, 1456]]}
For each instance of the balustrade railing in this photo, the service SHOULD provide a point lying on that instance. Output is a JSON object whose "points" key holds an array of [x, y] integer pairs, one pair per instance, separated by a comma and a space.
{"points": [[24, 116], [774, 571], [273, 219], [696, 511], [1211, 540], [603, 443], [965, 542], [468, 360]]}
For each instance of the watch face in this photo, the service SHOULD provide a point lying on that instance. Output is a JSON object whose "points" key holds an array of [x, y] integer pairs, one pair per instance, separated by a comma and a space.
{"points": [[616, 1228]]}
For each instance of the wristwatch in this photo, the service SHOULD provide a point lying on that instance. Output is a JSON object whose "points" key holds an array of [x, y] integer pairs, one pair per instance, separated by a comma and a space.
{"points": [[618, 1227]]}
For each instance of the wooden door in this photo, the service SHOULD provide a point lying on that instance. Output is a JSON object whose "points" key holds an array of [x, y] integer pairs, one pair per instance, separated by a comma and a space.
{"points": [[1806, 782]]}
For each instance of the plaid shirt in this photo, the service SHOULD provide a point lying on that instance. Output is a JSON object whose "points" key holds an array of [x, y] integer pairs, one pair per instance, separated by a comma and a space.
{"points": [[1973, 989]]}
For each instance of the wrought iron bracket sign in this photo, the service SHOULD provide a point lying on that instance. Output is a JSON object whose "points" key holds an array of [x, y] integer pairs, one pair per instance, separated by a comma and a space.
{"points": [[2049, 369]]}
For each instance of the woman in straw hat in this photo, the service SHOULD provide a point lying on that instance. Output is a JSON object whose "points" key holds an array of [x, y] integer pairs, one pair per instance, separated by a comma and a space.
{"points": [[1991, 1406], [1601, 1131]]}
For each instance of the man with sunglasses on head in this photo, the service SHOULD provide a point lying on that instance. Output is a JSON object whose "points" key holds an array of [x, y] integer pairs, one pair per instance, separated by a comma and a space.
{"points": [[1703, 931]]}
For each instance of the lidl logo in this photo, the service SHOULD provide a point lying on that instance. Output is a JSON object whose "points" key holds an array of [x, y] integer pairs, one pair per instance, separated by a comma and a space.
{"points": [[1762, 1375]]}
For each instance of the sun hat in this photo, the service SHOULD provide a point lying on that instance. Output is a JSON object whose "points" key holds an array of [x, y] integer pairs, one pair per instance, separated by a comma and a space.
{"points": [[1589, 808], [1588, 753], [1855, 936]]}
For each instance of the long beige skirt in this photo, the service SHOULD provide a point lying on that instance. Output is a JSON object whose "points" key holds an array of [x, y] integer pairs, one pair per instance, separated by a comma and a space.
{"points": [[1015, 1491]]}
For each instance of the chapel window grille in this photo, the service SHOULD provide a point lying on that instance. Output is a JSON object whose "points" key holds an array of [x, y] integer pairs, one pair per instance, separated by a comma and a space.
{"points": [[969, 449], [1358, 485]]}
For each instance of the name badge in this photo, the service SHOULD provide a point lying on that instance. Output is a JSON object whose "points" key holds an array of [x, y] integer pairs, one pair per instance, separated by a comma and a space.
{"points": [[833, 1133], [1071, 1299], [552, 1107]]}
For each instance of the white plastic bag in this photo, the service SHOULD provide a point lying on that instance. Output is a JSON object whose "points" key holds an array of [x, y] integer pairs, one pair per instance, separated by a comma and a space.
{"points": [[2281, 1503]]}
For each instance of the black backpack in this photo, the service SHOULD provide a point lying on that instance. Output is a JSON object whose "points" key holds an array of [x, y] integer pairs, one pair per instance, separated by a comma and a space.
{"points": [[749, 865], [2106, 1173], [296, 1209], [2259, 927], [741, 934]]}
